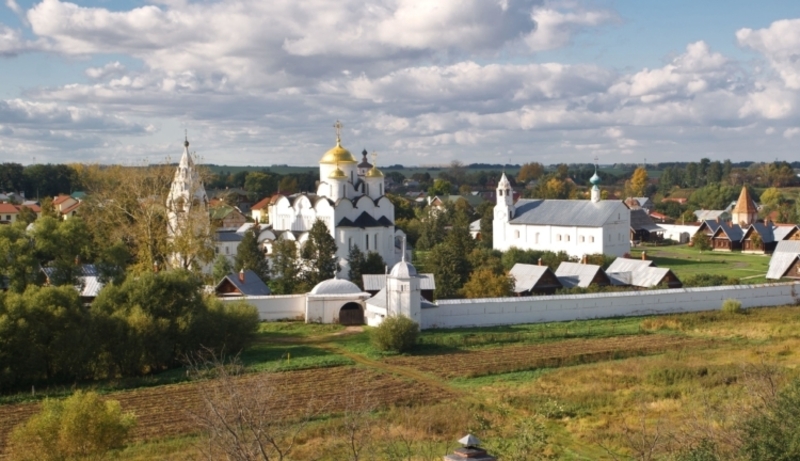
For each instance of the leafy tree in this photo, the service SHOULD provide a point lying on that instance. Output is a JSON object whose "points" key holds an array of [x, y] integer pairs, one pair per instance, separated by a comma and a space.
{"points": [[440, 187], [714, 173], [638, 183], [46, 205], [488, 259], [690, 178], [286, 268], [61, 245], [319, 253], [450, 259], [484, 283], [552, 187], [708, 280], [80, 427], [112, 262], [288, 185], [713, 196], [486, 212], [403, 209], [222, 267], [356, 259], [26, 215], [19, 265], [701, 241], [12, 177], [432, 223], [250, 256], [259, 185], [529, 171], [515, 255], [727, 167]]}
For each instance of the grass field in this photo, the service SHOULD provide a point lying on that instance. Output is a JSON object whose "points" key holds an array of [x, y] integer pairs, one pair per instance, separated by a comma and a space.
{"points": [[583, 384], [686, 261]]}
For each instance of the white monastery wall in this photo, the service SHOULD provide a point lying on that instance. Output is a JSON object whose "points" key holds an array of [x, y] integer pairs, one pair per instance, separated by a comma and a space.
{"points": [[278, 307], [679, 232], [534, 309]]}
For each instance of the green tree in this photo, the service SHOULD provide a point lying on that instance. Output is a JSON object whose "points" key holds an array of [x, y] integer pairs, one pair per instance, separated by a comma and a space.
{"points": [[80, 427], [356, 259], [403, 209], [529, 171], [259, 185], [319, 253], [440, 187], [432, 223], [450, 258], [286, 268], [484, 283], [713, 196], [396, 333], [288, 185], [26, 215], [250, 256], [222, 267], [19, 266], [61, 245], [701, 241], [714, 173], [486, 212]]}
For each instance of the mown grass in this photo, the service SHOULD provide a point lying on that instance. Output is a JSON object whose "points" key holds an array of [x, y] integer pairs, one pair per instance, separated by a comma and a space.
{"points": [[686, 261]]}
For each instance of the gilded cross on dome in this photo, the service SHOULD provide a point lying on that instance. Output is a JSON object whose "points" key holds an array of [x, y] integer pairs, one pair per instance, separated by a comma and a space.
{"points": [[374, 158], [338, 125]]}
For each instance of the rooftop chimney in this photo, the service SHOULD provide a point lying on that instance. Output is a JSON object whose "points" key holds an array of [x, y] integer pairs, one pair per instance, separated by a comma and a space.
{"points": [[644, 256], [469, 451], [585, 259], [241, 275], [540, 261]]}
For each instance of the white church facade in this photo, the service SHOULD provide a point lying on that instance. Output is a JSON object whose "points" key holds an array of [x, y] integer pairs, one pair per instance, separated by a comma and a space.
{"points": [[577, 227], [350, 200]]}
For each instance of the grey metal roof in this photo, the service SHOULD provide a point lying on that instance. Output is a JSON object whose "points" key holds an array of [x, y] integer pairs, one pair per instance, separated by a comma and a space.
{"points": [[620, 278], [628, 265], [87, 270], [475, 225], [576, 275], [785, 254], [648, 277], [526, 276], [228, 236], [711, 215], [379, 300], [732, 231], [582, 213], [780, 232], [251, 286], [765, 231], [375, 282], [641, 221]]}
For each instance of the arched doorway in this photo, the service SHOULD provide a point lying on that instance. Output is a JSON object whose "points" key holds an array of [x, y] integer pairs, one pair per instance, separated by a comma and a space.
{"points": [[351, 314]]}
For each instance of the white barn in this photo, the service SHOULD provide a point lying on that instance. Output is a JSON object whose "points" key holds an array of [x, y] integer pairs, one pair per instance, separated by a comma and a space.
{"points": [[577, 227]]}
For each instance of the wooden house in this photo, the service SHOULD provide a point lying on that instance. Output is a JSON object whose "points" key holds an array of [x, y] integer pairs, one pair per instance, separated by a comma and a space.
{"points": [[530, 279], [727, 237]]}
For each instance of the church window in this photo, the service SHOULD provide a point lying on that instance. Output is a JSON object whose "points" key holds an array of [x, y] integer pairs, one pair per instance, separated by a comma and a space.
{"points": [[536, 238], [591, 239], [583, 239], [500, 192], [227, 250], [380, 189], [567, 238], [349, 243], [516, 234], [375, 242], [558, 237], [366, 239], [367, 186]]}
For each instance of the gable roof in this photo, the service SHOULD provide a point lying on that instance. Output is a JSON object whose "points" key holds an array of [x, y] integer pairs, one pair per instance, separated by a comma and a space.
{"points": [[641, 221], [526, 276], [711, 215], [732, 231], [582, 213], [263, 203], [785, 254], [576, 275], [628, 265], [782, 231], [365, 220], [8, 208], [251, 286], [765, 231]]}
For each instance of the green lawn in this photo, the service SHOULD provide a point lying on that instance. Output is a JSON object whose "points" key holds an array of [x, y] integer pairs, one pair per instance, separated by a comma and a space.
{"points": [[686, 261]]}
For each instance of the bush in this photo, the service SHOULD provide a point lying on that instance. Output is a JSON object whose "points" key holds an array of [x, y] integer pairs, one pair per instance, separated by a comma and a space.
{"points": [[732, 306], [79, 427], [396, 334], [709, 280]]}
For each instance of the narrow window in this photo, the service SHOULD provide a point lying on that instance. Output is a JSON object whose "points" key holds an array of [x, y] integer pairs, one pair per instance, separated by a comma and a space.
{"points": [[375, 242], [592, 238], [366, 240], [536, 238], [567, 238], [583, 239], [516, 234], [380, 189], [350, 243]]}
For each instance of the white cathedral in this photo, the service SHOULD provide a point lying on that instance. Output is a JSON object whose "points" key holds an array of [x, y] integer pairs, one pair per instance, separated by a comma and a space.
{"points": [[350, 200], [577, 227]]}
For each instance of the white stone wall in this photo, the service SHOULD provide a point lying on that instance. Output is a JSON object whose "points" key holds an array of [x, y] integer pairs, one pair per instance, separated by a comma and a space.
{"points": [[278, 307], [534, 309], [679, 232]]}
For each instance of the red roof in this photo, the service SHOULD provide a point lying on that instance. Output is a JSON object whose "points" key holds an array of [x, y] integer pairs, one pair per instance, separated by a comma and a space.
{"points": [[33, 207], [8, 208], [61, 199], [261, 204], [70, 209]]}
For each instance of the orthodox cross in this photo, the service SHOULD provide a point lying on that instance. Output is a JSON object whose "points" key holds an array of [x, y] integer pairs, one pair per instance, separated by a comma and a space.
{"points": [[338, 125], [374, 159]]}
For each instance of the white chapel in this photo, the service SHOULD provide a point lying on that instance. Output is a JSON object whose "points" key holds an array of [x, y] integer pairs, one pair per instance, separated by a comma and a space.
{"points": [[350, 200], [577, 227]]}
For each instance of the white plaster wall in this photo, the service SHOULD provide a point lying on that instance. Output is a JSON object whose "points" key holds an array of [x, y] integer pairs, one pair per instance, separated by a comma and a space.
{"points": [[674, 231], [534, 309], [277, 307]]}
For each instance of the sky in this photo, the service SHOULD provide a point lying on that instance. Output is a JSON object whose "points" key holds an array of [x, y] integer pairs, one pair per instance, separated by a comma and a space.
{"points": [[419, 82]]}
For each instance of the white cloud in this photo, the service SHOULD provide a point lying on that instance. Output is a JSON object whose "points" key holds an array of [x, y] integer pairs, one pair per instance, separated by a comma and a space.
{"points": [[112, 69], [13, 6], [791, 133], [780, 44], [555, 29]]}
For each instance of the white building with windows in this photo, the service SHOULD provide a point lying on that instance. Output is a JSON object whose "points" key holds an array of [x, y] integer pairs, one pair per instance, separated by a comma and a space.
{"points": [[577, 227], [350, 200]]}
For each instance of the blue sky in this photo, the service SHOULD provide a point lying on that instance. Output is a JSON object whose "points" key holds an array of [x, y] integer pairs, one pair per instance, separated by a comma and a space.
{"points": [[261, 83]]}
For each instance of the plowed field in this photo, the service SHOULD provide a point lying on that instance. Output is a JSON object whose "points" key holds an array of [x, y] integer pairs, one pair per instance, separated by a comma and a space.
{"points": [[517, 358], [166, 410]]}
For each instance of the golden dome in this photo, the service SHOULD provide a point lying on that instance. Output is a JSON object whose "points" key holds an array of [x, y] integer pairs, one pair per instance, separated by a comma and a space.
{"points": [[337, 173], [374, 172], [338, 155]]}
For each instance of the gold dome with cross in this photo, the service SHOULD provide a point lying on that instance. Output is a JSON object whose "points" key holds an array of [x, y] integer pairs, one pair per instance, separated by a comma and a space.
{"points": [[338, 154]]}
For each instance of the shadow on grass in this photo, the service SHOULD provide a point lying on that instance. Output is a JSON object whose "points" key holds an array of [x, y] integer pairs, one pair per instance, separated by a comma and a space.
{"points": [[672, 262]]}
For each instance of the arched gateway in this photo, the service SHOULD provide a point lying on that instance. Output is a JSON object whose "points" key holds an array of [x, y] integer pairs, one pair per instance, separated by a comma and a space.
{"points": [[351, 314]]}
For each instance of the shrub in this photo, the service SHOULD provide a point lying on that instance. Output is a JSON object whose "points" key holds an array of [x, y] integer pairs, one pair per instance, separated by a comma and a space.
{"points": [[732, 306], [79, 427], [709, 280], [396, 334]]}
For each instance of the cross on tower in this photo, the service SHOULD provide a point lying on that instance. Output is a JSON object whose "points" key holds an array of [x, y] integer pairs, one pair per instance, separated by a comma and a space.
{"points": [[338, 126], [374, 159]]}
